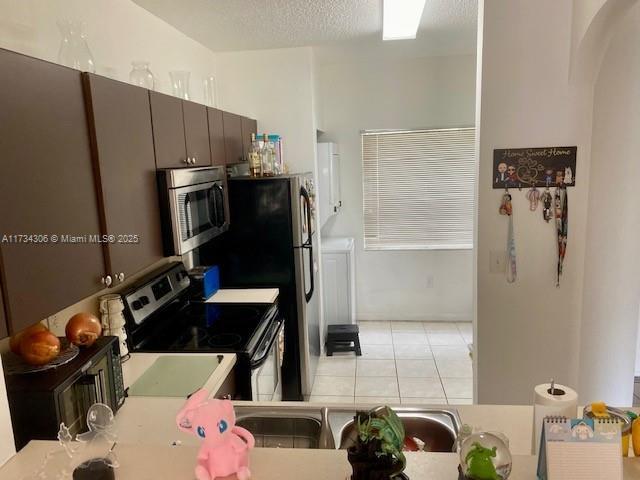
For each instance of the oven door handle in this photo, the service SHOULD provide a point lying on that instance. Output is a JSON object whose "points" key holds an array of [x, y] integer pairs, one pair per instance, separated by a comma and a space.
{"points": [[270, 339]]}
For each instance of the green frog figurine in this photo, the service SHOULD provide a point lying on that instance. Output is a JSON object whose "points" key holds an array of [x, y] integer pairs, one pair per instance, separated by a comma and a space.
{"points": [[480, 465]]}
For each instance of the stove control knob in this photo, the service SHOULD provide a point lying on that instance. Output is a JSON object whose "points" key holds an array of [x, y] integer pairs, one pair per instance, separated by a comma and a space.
{"points": [[136, 305], [144, 300]]}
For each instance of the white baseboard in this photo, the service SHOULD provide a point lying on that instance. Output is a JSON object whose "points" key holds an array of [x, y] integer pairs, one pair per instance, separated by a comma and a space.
{"points": [[445, 317]]}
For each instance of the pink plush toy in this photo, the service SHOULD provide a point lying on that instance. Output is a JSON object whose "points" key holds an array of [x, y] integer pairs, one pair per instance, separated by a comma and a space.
{"points": [[225, 447]]}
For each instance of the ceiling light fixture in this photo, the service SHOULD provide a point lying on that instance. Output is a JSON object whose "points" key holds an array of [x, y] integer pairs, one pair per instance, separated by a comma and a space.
{"points": [[401, 19]]}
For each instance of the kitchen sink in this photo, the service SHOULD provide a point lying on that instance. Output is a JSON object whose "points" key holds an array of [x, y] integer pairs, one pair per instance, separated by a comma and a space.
{"points": [[283, 432], [435, 428], [307, 426]]}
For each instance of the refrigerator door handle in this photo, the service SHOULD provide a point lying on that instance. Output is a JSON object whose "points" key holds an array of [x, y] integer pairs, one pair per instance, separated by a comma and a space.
{"points": [[309, 243]]}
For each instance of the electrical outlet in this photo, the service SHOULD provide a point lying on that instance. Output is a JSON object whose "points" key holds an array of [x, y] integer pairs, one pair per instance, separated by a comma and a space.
{"points": [[429, 281], [498, 259]]}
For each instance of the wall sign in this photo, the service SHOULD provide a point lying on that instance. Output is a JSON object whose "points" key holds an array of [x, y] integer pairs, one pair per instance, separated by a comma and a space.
{"points": [[539, 167]]}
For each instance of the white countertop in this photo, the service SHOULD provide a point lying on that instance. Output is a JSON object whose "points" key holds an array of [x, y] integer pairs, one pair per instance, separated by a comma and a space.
{"points": [[146, 429], [244, 295], [150, 419], [151, 462]]}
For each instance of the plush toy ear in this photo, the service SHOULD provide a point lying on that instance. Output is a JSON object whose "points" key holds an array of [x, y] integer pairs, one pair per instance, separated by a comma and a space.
{"points": [[228, 411], [184, 419]]}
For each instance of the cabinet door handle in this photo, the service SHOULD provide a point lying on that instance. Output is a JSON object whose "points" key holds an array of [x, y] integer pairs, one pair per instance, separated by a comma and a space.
{"points": [[186, 160], [120, 277], [107, 280]]}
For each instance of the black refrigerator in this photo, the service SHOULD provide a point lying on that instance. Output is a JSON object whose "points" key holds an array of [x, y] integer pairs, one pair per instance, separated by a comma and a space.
{"points": [[272, 243]]}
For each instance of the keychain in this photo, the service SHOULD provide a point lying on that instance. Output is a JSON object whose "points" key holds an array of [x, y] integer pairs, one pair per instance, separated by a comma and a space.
{"points": [[507, 209], [533, 195], [505, 204], [547, 200]]}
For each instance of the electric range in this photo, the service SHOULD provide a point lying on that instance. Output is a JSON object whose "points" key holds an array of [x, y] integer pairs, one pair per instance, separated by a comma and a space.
{"points": [[161, 317]]}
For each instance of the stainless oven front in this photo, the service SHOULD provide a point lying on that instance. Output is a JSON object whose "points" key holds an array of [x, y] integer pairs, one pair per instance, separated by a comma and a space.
{"points": [[266, 366], [195, 210]]}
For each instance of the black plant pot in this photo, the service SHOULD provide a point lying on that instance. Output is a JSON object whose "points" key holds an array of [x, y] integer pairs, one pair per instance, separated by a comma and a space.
{"points": [[366, 465]]}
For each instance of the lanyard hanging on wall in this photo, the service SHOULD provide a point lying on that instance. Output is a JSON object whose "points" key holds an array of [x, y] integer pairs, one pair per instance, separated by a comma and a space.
{"points": [[506, 208], [561, 201]]}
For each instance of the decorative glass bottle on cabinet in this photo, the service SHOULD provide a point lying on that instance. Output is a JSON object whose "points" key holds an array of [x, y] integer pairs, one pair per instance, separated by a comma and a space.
{"points": [[74, 51], [141, 75], [180, 84]]}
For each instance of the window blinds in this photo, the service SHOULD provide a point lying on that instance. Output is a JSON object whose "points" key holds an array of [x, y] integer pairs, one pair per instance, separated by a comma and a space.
{"points": [[418, 189]]}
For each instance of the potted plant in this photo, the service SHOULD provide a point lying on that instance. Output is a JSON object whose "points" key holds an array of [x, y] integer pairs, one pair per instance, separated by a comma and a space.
{"points": [[377, 453]]}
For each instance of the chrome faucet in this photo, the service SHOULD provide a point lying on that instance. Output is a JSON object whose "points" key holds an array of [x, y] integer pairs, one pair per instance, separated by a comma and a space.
{"points": [[326, 440]]}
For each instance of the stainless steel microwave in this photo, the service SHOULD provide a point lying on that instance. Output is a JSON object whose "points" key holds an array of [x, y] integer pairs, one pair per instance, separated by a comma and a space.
{"points": [[192, 202]]}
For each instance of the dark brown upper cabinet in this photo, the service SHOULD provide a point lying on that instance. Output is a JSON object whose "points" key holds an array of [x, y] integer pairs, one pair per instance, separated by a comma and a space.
{"points": [[4, 331], [196, 133], [216, 136], [123, 154], [168, 131], [249, 126], [46, 188], [233, 145]]}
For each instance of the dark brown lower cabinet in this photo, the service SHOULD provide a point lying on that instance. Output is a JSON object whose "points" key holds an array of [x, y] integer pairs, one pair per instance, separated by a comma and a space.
{"points": [[122, 138], [46, 188]]}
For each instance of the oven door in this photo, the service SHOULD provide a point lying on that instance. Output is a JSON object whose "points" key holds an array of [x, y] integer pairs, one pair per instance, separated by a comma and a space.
{"points": [[197, 215], [266, 384]]}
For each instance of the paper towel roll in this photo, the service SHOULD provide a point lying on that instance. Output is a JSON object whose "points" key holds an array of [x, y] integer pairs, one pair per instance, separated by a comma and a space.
{"points": [[562, 402]]}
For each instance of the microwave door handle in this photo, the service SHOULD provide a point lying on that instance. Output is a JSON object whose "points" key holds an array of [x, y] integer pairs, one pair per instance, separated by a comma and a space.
{"points": [[103, 387], [219, 206], [187, 214]]}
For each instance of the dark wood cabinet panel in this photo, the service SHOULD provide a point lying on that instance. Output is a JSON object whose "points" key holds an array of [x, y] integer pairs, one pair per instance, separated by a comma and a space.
{"points": [[216, 136], [46, 188], [4, 331], [249, 126], [196, 133], [168, 131], [233, 146], [122, 138]]}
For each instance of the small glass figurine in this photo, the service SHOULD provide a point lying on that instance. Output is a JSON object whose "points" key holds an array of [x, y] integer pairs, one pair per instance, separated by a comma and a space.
{"points": [[89, 456]]}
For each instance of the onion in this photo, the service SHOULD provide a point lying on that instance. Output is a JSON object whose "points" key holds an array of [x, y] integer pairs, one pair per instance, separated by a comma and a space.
{"points": [[14, 343], [83, 329], [39, 348]]}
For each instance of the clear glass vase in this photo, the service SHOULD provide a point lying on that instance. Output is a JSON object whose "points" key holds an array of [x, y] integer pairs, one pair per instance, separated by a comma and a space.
{"points": [[141, 75], [74, 51], [210, 91], [180, 83]]}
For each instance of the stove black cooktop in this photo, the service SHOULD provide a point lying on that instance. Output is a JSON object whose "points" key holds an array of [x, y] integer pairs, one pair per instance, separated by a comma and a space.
{"points": [[201, 327]]}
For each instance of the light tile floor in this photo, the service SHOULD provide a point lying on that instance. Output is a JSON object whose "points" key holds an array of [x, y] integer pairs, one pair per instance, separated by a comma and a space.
{"points": [[401, 362]]}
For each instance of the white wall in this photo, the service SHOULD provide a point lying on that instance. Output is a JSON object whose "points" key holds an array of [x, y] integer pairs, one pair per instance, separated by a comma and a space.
{"points": [[119, 31], [528, 332], [275, 87], [404, 93], [611, 302]]}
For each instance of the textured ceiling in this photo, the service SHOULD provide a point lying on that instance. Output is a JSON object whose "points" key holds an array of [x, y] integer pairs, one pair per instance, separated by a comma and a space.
{"points": [[447, 26]]}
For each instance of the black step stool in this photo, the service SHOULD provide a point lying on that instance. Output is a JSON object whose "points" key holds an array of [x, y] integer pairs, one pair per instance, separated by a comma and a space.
{"points": [[343, 338]]}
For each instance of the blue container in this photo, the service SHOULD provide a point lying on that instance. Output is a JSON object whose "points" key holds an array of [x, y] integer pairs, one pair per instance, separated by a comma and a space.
{"points": [[211, 281]]}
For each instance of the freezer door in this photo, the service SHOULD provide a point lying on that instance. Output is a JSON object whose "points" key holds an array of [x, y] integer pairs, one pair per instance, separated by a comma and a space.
{"points": [[306, 261]]}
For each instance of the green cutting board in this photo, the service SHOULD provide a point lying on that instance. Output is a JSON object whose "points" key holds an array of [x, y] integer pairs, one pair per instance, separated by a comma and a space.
{"points": [[174, 376]]}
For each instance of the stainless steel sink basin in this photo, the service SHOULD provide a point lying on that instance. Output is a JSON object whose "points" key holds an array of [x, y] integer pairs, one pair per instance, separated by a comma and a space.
{"points": [[436, 428], [307, 426], [278, 432]]}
